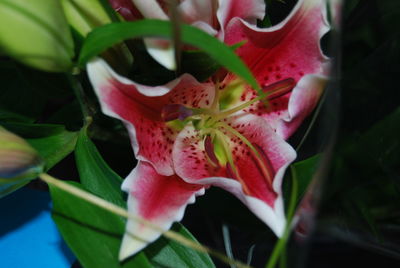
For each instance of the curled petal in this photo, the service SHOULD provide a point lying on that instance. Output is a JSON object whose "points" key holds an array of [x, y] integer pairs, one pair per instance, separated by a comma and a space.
{"points": [[302, 102], [248, 10], [158, 199]]}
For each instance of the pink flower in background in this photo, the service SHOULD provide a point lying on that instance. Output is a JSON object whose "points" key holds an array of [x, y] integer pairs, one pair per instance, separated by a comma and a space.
{"points": [[189, 135], [212, 16]]}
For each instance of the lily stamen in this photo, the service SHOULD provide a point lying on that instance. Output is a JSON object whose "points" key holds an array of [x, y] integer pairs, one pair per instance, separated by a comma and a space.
{"points": [[275, 90], [253, 149]]}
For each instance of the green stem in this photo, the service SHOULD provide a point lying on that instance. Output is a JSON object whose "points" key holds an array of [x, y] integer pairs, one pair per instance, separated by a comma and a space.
{"points": [[281, 244], [78, 90], [283, 258]]}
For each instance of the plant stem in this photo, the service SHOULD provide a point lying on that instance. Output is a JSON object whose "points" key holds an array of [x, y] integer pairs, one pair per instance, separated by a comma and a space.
{"points": [[281, 244], [95, 200], [78, 90]]}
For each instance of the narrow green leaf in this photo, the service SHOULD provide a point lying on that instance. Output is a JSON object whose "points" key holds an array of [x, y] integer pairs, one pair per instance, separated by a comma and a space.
{"points": [[108, 35]]}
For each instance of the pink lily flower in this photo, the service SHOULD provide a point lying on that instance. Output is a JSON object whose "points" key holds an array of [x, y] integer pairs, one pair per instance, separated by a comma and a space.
{"points": [[189, 135], [212, 16]]}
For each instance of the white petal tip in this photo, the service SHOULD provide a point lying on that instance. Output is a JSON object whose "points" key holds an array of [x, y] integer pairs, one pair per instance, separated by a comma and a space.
{"points": [[130, 246], [165, 57]]}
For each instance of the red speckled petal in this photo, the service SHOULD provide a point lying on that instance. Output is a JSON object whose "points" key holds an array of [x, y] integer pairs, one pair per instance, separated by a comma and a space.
{"points": [[290, 49], [159, 199], [252, 187], [140, 108]]}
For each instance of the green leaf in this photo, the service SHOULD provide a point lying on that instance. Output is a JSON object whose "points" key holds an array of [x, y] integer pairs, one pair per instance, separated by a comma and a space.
{"points": [[53, 142], [108, 35], [95, 174], [93, 234], [305, 171], [168, 253], [54, 148]]}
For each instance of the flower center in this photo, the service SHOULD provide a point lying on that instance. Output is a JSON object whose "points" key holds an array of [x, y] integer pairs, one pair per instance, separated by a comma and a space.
{"points": [[216, 133]]}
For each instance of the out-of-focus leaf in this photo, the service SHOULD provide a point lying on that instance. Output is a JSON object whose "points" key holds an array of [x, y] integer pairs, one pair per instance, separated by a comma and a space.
{"points": [[17, 95], [108, 35], [363, 194], [7, 116], [32, 131]]}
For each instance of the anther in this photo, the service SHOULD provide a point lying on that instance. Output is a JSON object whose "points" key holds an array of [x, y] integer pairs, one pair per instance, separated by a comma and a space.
{"points": [[209, 149], [279, 88], [175, 111]]}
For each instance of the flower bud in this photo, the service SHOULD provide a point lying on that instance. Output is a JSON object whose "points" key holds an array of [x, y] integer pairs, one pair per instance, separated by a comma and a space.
{"points": [[19, 162], [85, 15], [36, 33]]}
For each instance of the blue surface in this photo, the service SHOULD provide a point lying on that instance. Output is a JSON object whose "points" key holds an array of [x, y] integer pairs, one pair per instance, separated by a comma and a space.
{"points": [[28, 236]]}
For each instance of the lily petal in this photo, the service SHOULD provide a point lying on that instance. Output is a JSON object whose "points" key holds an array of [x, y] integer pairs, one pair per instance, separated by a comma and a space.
{"points": [[261, 192], [248, 10], [140, 108], [290, 49], [162, 51], [302, 102], [159, 199]]}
